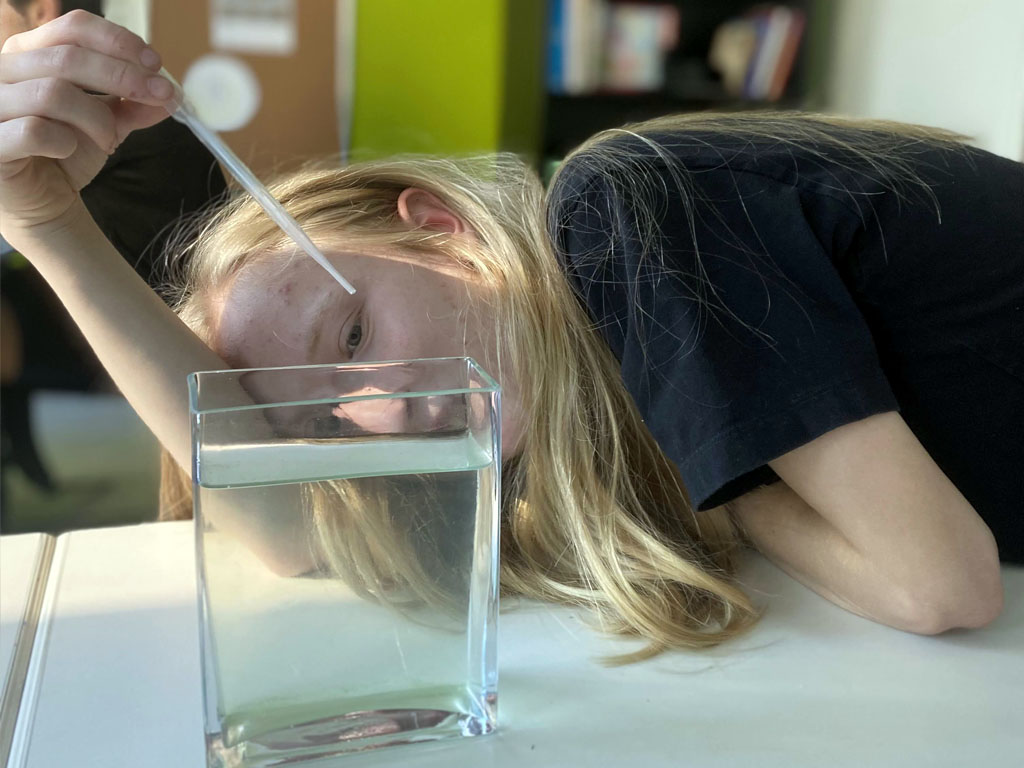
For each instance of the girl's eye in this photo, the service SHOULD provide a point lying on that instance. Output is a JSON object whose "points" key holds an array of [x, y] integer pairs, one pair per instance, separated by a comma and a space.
{"points": [[355, 337]]}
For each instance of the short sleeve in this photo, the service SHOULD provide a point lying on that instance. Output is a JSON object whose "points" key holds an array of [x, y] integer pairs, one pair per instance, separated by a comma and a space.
{"points": [[737, 336]]}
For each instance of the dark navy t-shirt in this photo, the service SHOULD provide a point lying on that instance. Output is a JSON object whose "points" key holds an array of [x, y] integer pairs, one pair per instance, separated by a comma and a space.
{"points": [[792, 291]]}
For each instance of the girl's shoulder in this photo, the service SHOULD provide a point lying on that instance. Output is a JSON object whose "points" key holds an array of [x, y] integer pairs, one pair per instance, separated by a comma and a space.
{"points": [[832, 156]]}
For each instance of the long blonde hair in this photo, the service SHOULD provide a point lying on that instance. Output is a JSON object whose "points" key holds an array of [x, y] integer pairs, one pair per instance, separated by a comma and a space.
{"points": [[593, 513]]}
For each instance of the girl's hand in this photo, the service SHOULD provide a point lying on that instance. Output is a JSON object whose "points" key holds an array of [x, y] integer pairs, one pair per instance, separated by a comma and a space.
{"points": [[54, 136]]}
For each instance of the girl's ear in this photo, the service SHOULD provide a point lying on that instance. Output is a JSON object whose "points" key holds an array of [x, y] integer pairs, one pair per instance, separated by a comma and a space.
{"points": [[421, 209]]}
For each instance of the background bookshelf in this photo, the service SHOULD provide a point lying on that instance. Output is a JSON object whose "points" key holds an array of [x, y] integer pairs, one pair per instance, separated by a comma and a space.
{"points": [[689, 82]]}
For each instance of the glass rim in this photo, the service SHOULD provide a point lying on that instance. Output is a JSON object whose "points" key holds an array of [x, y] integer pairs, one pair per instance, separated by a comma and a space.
{"points": [[193, 378]]}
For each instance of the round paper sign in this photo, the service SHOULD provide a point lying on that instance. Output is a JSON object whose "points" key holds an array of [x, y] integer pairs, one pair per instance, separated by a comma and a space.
{"points": [[224, 91]]}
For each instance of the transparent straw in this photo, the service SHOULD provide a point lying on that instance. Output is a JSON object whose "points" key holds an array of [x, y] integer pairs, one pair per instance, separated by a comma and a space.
{"points": [[185, 113]]}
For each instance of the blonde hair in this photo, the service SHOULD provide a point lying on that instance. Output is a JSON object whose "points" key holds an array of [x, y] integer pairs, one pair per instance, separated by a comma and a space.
{"points": [[593, 513]]}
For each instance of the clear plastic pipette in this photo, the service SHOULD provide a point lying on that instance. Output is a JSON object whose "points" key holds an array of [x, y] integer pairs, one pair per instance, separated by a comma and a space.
{"points": [[185, 113]]}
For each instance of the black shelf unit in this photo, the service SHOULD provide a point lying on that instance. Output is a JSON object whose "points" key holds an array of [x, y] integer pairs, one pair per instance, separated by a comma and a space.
{"points": [[690, 85]]}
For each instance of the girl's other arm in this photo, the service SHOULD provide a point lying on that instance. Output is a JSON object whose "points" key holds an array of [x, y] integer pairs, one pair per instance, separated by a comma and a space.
{"points": [[866, 518]]}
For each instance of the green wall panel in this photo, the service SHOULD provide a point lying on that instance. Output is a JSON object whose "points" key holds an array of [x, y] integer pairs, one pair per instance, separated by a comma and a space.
{"points": [[447, 76]]}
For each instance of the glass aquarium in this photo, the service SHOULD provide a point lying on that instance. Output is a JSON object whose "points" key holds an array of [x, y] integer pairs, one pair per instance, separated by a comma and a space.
{"points": [[347, 554]]}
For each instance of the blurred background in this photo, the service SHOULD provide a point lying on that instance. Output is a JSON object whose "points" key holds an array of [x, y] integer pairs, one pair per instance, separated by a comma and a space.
{"points": [[286, 80]]}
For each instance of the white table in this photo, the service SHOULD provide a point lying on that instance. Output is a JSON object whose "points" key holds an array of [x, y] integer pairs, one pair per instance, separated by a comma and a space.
{"points": [[813, 685]]}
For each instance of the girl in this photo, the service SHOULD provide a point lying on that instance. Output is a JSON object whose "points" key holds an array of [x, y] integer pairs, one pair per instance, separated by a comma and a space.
{"points": [[787, 331]]}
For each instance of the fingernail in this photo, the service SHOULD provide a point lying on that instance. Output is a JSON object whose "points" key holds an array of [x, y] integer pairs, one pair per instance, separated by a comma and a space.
{"points": [[160, 88], [149, 58]]}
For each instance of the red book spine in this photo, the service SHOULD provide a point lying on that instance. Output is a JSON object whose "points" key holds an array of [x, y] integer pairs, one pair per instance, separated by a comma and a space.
{"points": [[788, 55]]}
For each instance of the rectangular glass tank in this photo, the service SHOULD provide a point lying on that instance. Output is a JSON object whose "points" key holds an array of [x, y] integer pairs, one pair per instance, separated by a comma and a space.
{"points": [[347, 554]]}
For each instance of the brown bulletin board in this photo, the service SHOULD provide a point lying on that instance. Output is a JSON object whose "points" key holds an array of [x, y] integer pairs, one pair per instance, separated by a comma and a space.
{"points": [[297, 118]]}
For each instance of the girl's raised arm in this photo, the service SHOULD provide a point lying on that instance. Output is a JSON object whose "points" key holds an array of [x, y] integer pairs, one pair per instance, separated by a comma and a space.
{"points": [[54, 138]]}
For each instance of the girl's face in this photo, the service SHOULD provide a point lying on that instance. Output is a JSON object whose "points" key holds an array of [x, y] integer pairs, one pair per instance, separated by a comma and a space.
{"points": [[277, 313]]}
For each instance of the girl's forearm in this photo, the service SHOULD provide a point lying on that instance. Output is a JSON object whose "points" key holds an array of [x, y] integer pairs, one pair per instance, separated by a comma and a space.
{"points": [[147, 350], [800, 541]]}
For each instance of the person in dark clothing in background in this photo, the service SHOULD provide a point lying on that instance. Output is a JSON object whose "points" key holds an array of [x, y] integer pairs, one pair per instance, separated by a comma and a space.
{"points": [[154, 178]]}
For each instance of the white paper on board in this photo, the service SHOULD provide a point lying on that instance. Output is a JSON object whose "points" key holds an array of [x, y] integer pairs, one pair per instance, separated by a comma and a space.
{"points": [[262, 27]]}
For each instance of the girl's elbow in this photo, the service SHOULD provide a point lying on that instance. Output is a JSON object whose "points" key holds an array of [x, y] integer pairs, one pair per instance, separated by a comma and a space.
{"points": [[972, 595], [980, 607]]}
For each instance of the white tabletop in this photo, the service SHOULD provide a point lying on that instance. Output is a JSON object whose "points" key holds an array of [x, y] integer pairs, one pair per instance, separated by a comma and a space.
{"points": [[812, 685], [19, 556]]}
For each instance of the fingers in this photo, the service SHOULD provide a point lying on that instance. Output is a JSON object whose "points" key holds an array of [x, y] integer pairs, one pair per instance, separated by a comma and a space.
{"points": [[43, 70], [85, 31], [35, 136], [57, 99], [86, 69], [131, 116]]}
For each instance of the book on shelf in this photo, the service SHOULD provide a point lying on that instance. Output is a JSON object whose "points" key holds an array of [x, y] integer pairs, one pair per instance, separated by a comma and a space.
{"points": [[576, 32], [778, 32], [602, 46], [754, 54], [787, 56]]}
